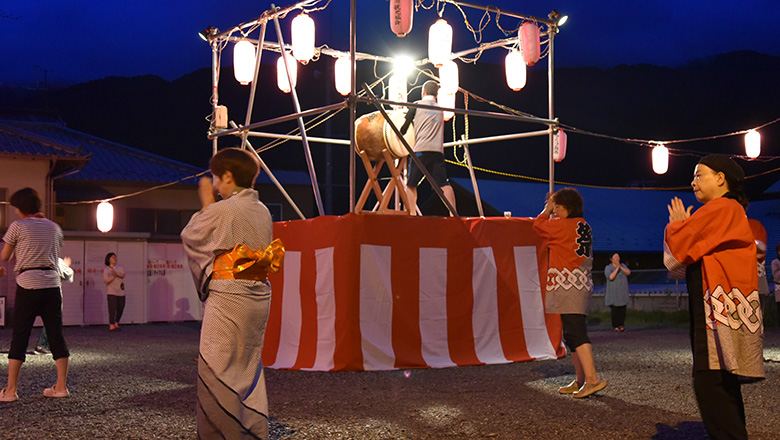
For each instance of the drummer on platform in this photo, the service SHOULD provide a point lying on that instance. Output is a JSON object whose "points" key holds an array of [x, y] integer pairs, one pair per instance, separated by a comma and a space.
{"points": [[429, 145]]}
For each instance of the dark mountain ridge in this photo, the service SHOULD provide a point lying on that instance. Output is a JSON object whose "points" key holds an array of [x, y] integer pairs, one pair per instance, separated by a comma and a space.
{"points": [[706, 97]]}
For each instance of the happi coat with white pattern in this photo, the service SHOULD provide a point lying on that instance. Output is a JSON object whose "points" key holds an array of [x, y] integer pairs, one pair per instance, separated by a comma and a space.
{"points": [[232, 400], [716, 247], [569, 263]]}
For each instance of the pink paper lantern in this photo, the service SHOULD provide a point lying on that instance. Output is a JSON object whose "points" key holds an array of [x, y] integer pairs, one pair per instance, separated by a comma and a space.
{"points": [[529, 38], [401, 16]]}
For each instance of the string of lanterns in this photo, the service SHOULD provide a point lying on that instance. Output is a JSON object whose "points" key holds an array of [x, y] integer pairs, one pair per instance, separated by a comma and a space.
{"points": [[525, 52]]}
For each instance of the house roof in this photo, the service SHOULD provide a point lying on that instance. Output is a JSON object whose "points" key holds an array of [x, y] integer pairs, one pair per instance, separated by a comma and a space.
{"points": [[623, 220], [102, 160], [108, 161], [16, 141]]}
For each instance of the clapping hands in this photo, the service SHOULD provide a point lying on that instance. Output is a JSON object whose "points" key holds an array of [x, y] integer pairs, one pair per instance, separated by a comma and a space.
{"points": [[677, 210]]}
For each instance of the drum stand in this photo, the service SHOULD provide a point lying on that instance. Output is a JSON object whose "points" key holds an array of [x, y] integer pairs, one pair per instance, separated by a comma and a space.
{"points": [[396, 184]]}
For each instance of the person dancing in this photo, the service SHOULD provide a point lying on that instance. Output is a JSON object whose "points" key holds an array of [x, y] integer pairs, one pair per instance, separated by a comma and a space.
{"points": [[114, 277], [232, 400], [716, 248], [36, 242], [570, 242]]}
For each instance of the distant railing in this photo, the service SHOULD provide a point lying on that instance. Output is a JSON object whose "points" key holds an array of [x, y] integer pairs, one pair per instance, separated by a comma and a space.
{"points": [[649, 289], [644, 282]]}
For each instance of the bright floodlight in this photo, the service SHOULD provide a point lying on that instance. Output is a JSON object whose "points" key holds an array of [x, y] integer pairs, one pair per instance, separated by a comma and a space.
{"points": [[403, 65], [563, 20]]}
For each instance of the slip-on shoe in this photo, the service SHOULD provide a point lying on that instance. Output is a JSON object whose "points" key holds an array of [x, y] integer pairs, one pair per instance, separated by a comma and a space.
{"points": [[570, 388], [51, 392], [7, 397], [589, 388]]}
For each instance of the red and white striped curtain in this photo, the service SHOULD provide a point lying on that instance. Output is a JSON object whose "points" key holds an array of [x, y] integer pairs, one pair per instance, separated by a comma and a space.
{"points": [[371, 292]]}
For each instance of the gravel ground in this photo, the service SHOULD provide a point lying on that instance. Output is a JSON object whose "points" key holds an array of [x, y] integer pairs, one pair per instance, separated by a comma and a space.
{"points": [[140, 384]]}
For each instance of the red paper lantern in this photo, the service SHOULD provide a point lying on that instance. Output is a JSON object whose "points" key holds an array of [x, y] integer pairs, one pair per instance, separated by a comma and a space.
{"points": [[529, 38], [401, 16]]}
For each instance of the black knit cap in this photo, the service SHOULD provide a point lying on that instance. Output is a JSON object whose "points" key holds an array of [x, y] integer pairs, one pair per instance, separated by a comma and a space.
{"points": [[726, 165], [734, 174]]}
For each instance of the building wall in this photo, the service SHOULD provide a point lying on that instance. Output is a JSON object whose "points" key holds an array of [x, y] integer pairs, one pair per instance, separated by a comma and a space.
{"points": [[21, 172]]}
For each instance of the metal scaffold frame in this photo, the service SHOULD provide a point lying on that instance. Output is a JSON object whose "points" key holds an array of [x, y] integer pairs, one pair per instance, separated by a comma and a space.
{"points": [[218, 40]]}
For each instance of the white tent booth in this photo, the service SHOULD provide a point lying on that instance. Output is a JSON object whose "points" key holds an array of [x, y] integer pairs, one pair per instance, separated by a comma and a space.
{"points": [[341, 301]]}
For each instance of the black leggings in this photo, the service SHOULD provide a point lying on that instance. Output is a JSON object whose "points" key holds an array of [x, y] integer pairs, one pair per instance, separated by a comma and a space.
{"points": [[46, 303], [116, 305]]}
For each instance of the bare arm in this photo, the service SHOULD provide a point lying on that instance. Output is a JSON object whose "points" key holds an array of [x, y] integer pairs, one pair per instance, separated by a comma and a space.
{"points": [[7, 252]]}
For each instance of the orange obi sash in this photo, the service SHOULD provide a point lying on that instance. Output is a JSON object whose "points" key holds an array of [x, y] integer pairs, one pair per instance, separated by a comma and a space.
{"points": [[242, 263]]}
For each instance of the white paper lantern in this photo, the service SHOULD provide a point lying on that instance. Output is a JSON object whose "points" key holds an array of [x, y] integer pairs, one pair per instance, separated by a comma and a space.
{"points": [[281, 76], [439, 42], [303, 38], [448, 77], [559, 145], [397, 90], [515, 70], [752, 144], [530, 42], [401, 16], [244, 62], [343, 74], [105, 216], [660, 159], [446, 100]]}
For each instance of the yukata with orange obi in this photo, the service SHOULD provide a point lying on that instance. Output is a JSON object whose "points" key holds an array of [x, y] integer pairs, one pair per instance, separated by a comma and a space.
{"points": [[717, 248], [570, 260], [232, 401]]}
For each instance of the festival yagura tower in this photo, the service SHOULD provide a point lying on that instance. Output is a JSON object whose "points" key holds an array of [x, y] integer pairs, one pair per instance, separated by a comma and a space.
{"points": [[388, 291]]}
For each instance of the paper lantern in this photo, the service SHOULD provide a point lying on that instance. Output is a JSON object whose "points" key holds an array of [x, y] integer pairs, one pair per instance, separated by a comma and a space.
{"points": [[401, 16], [439, 42], [281, 76], [397, 89], [244, 62], [559, 145], [303, 38], [105, 217], [446, 100], [515, 70], [660, 159], [752, 144], [343, 73], [448, 77], [529, 40]]}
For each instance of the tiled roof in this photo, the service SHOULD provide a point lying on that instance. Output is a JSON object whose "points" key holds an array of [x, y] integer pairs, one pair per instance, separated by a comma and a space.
{"points": [[18, 141], [108, 161]]}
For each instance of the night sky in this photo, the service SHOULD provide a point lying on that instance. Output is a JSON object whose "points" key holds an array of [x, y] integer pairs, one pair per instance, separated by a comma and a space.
{"points": [[78, 40]]}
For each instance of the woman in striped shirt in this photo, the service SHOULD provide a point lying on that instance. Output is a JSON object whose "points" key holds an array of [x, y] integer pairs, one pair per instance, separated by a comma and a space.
{"points": [[36, 241]]}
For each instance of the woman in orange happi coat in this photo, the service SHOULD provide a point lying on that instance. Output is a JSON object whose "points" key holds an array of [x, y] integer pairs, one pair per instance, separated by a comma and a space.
{"points": [[716, 248]]}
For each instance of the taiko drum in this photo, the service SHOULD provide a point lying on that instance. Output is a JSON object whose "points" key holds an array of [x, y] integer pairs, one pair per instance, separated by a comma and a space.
{"points": [[373, 134]]}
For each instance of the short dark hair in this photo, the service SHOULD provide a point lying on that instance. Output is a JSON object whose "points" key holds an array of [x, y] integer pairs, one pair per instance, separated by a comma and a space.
{"points": [[108, 258], [242, 164], [26, 200], [430, 87], [570, 199]]}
